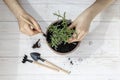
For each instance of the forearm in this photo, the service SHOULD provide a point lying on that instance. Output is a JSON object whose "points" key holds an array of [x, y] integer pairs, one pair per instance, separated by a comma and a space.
{"points": [[97, 7], [15, 7]]}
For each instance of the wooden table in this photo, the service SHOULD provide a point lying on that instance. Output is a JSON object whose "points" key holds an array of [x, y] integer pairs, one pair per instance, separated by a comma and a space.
{"points": [[97, 57]]}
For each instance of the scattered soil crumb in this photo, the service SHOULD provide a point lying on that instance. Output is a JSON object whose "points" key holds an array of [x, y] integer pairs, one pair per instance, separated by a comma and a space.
{"points": [[71, 62], [68, 58], [44, 35], [90, 43]]}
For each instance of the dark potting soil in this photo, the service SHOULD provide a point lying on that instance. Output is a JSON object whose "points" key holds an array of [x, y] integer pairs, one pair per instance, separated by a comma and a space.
{"points": [[71, 62], [62, 48]]}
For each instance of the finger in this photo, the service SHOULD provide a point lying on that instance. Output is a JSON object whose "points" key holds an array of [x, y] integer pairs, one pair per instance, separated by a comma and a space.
{"points": [[73, 36], [76, 38], [28, 30], [21, 28], [35, 32], [23, 31], [36, 25], [81, 38], [73, 40], [72, 25], [80, 34]]}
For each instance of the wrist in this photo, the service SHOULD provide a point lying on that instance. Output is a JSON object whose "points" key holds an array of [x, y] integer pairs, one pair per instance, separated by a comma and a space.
{"points": [[97, 7], [92, 11], [86, 15], [19, 14]]}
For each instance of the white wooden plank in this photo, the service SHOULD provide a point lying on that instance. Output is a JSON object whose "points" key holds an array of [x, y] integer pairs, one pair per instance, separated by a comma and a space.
{"points": [[25, 47], [102, 34], [97, 57], [104, 29], [45, 12], [30, 77], [98, 30], [104, 67], [76, 2]]}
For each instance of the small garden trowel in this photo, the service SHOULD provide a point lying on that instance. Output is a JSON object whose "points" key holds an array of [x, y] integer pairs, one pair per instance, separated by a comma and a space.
{"points": [[36, 56]]}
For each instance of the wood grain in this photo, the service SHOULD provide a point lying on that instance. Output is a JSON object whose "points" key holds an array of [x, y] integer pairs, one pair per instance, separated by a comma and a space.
{"points": [[96, 58], [45, 12]]}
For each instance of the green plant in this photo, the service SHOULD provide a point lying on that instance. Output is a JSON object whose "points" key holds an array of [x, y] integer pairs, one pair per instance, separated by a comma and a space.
{"points": [[60, 35]]}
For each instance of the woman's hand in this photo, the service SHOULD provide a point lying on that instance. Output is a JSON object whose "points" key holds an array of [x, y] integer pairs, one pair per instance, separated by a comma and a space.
{"points": [[81, 25], [24, 19], [27, 28]]}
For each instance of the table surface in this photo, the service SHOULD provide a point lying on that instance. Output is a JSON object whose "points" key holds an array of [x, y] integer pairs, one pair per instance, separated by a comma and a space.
{"points": [[96, 58]]}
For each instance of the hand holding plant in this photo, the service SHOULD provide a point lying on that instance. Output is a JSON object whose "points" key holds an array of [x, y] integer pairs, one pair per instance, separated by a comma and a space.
{"points": [[60, 32], [81, 25]]}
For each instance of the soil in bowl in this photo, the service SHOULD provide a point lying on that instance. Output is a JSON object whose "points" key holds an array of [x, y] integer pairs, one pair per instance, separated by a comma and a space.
{"points": [[62, 47]]}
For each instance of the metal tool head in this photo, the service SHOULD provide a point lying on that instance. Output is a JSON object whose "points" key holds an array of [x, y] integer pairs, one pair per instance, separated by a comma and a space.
{"points": [[36, 56], [25, 58], [37, 44]]}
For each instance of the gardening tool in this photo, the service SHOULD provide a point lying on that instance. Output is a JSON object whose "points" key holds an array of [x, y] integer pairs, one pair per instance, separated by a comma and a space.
{"points": [[36, 45], [25, 59], [36, 56]]}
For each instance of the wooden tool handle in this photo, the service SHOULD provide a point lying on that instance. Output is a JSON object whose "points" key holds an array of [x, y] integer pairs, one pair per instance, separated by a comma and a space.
{"points": [[46, 66], [57, 67]]}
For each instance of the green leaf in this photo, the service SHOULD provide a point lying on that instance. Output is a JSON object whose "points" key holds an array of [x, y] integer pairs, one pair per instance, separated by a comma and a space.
{"points": [[60, 35]]}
